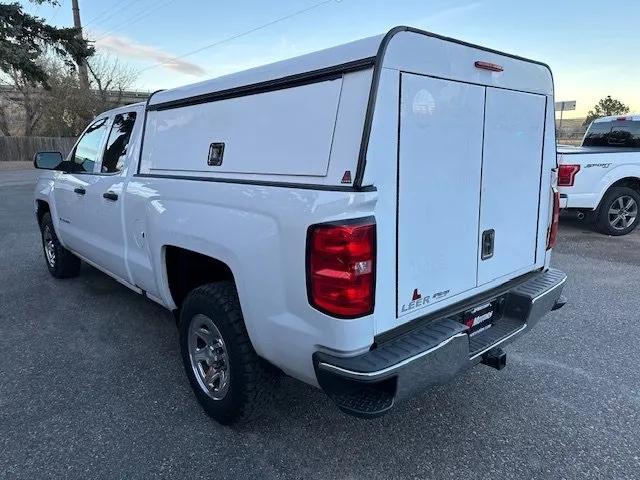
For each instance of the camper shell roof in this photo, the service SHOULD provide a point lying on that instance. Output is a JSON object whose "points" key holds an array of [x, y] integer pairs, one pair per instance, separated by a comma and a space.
{"points": [[323, 64]]}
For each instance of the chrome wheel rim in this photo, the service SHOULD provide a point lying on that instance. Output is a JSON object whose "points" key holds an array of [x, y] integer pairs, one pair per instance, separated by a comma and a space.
{"points": [[49, 246], [209, 358], [623, 212]]}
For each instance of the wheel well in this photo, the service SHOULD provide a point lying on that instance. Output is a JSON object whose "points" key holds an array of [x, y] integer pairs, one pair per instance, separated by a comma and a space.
{"points": [[187, 270], [42, 208], [631, 182]]}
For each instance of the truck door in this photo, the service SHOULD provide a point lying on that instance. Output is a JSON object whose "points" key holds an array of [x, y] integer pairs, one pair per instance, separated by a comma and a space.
{"points": [[103, 222], [440, 158], [511, 170], [70, 187]]}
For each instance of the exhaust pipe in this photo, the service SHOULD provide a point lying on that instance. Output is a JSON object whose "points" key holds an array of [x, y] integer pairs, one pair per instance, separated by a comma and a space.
{"points": [[580, 215], [495, 358]]}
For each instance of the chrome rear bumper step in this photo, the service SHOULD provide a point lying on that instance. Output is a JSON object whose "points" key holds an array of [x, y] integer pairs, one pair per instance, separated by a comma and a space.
{"points": [[368, 384]]}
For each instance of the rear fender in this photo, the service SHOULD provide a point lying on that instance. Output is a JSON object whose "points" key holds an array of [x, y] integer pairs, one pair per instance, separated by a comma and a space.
{"points": [[613, 176]]}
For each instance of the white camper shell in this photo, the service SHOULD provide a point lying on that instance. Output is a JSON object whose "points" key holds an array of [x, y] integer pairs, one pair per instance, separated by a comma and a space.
{"points": [[456, 149], [447, 147]]}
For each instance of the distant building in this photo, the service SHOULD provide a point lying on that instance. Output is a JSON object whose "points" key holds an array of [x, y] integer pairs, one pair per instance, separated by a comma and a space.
{"points": [[126, 97]]}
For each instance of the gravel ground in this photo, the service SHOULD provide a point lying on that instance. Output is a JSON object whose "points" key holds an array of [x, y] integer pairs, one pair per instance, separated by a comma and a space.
{"points": [[91, 386]]}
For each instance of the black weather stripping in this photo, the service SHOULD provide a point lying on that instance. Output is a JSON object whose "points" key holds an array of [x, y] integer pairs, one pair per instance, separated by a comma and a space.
{"points": [[324, 74]]}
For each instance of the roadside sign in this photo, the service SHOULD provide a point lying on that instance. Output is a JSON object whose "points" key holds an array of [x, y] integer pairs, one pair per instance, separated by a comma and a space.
{"points": [[564, 106]]}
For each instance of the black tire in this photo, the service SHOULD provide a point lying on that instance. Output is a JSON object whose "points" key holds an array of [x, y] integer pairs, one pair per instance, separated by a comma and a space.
{"points": [[604, 223], [251, 381], [61, 263]]}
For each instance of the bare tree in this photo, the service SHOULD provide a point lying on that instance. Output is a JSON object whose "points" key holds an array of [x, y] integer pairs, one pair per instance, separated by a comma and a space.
{"points": [[4, 123], [31, 102], [110, 78], [64, 108], [67, 108], [5, 106], [20, 105]]}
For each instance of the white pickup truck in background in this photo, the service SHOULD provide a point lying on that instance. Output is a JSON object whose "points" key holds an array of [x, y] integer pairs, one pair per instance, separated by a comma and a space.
{"points": [[600, 180], [341, 217]]}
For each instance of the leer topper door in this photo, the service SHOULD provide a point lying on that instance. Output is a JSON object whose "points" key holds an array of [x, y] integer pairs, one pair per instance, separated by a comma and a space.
{"points": [[440, 156], [513, 137]]}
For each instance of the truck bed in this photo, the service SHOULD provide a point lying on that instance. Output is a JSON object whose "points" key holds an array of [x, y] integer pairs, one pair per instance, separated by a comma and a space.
{"points": [[572, 150]]}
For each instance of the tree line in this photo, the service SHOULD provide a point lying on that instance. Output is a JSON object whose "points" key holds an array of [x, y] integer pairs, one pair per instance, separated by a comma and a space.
{"points": [[39, 62], [604, 108], [42, 94]]}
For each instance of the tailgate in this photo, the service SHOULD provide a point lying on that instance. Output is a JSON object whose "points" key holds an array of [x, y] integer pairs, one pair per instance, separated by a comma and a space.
{"points": [[470, 161]]}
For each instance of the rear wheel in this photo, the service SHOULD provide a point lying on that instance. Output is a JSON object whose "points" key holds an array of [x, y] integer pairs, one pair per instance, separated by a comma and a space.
{"points": [[619, 211], [60, 261], [228, 378]]}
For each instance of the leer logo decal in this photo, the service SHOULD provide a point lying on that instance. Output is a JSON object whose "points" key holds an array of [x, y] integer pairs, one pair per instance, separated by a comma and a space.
{"points": [[417, 300]]}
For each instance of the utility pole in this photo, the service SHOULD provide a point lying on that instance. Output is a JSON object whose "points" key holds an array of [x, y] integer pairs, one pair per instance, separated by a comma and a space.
{"points": [[82, 66]]}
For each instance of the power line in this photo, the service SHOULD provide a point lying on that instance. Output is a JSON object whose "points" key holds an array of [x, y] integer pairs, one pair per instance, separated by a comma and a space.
{"points": [[239, 35], [55, 14], [135, 19], [108, 13]]}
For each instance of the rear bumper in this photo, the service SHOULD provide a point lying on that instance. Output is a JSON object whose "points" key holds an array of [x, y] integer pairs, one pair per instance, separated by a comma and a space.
{"points": [[570, 199], [369, 384]]}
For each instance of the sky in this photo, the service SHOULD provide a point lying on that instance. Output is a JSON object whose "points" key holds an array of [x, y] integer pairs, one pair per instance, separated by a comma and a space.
{"points": [[592, 46]]}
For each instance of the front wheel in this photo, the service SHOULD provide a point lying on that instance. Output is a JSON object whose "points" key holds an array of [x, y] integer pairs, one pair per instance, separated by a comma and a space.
{"points": [[60, 261], [228, 378], [618, 213]]}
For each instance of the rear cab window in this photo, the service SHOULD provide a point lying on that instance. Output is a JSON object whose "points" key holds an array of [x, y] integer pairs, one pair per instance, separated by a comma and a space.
{"points": [[115, 153], [617, 133]]}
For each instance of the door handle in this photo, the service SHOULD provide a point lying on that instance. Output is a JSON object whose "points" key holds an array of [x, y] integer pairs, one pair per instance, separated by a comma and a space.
{"points": [[488, 239], [80, 190], [110, 196]]}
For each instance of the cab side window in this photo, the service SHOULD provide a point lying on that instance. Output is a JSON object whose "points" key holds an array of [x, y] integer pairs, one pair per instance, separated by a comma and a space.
{"points": [[115, 152], [85, 154]]}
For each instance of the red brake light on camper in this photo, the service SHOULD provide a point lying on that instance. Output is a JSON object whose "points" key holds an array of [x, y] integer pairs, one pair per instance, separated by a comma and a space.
{"points": [[492, 67], [567, 175], [341, 267]]}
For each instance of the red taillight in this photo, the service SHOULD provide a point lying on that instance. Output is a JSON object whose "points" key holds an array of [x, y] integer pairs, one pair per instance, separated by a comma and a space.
{"points": [[567, 175], [341, 267], [555, 220]]}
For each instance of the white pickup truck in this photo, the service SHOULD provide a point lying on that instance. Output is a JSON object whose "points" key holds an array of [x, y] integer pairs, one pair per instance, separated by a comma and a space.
{"points": [[600, 180], [345, 217]]}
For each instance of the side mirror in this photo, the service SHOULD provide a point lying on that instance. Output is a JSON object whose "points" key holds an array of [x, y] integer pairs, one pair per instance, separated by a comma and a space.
{"points": [[48, 160]]}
